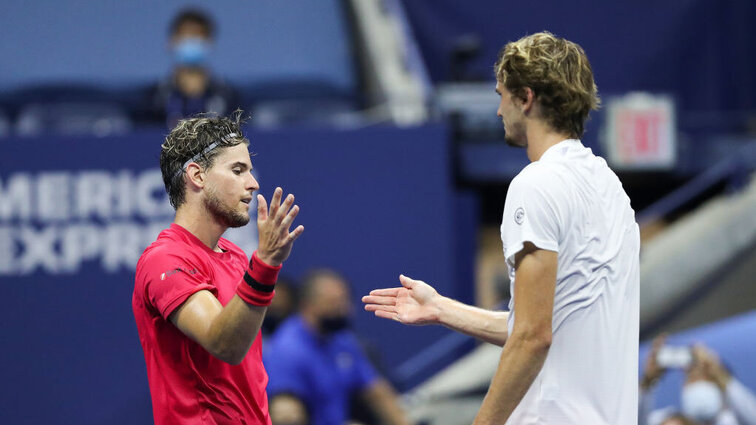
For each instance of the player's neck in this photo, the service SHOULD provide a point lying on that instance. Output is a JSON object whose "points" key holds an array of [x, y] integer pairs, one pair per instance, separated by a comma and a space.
{"points": [[540, 138], [200, 223]]}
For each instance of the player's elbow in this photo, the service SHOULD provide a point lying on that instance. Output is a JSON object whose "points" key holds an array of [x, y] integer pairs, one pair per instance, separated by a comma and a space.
{"points": [[234, 360], [229, 353], [543, 342], [538, 344], [536, 340], [232, 357]]}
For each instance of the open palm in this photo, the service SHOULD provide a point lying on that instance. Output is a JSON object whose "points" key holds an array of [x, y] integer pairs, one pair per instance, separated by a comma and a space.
{"points": [[413, 303], [275, 240]]}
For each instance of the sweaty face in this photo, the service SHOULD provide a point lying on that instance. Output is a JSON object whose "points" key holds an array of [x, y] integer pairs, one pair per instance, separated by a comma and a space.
{"points": [[511, 117], [229, 187]]}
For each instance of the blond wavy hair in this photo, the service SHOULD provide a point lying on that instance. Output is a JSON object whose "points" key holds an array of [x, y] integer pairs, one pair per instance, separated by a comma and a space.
{"points": [[190, 138], [558, 72]]}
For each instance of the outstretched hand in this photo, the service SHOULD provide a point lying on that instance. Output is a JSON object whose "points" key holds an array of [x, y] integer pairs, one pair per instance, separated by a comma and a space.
{"points": [[413, 303], [275, 240]]}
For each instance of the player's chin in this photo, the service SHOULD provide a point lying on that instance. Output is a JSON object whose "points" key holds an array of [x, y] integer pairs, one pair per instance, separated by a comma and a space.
{"points": [[239, 220], [511, 141]]}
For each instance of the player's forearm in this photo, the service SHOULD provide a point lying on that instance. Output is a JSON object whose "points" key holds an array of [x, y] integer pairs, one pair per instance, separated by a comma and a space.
{"points": [[234, 330], [521, 361], [490, 326]]}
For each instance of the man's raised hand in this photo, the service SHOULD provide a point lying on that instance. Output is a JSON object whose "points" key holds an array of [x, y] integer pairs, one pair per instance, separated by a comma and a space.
{"points": [[413, 303], [275, 240]]}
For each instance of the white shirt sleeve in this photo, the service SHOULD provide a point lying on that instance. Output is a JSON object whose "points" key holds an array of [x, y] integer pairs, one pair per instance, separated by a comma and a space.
{"points": [[742, 402], [532, 213]]}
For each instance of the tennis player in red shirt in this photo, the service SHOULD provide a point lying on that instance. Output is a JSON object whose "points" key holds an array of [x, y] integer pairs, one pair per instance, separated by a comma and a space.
{"points": [[198, 302]]}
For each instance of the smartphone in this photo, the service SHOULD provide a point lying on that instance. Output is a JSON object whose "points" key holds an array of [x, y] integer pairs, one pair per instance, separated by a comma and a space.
{"points": [[674, 357]]}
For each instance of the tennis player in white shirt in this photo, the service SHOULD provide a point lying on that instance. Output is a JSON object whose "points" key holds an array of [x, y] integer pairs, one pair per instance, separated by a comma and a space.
{"points": [[571, 243]]}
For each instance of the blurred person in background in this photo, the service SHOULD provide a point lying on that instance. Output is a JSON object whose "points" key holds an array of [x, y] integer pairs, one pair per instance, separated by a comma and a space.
{"points": [[709, 396], [284, 304], [191, 88], [316, 357], [288, 409], [198, 300], [572, 247]]}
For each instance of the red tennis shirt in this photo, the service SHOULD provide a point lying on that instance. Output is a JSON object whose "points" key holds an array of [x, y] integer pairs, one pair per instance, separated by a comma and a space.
{"points": [[188, 385]]}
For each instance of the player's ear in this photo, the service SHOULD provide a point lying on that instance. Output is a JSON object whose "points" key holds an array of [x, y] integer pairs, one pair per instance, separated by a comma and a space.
{"points": [[527, 99], [195, 174]]}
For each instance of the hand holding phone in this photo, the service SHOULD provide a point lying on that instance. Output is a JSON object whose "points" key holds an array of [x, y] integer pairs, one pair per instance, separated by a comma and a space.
{"points": [[679, 357]]}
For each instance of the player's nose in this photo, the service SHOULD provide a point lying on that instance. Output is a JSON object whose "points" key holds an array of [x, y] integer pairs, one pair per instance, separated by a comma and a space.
{"points": [[252, 184]]}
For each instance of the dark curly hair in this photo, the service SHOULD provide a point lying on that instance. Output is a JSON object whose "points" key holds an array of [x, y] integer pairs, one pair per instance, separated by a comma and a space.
{"points": [[558, 72], [193, 15], [189, 140]]}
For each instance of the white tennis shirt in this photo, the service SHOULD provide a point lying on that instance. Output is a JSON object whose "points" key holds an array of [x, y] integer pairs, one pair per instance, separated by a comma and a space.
{"points": [[569, 201]]}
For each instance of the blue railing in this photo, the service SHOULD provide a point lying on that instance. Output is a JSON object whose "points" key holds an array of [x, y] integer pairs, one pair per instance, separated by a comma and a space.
{"points": [[733, 169]]}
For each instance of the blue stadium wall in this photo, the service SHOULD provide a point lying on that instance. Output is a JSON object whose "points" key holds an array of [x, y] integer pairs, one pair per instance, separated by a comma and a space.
{"points": [[75, 214]]}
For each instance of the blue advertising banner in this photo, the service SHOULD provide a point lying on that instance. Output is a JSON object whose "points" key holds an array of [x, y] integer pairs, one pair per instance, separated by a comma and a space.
{"points": [[76, 213]]}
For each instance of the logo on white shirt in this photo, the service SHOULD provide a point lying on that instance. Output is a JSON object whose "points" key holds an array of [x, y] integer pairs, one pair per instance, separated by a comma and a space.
{"points": [[519, 215]]}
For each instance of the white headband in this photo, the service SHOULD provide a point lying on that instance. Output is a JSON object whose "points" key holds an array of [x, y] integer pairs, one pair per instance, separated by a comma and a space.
{"points": [[204, 151]]}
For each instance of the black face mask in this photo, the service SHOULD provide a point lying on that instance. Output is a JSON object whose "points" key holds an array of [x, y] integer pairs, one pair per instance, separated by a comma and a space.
{"points": [[329, 325]]}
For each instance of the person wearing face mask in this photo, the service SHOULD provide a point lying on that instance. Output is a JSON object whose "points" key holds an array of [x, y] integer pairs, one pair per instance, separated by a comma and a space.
{"points": [[191, 88], [709, 396], [282, 306], [315, 357]]}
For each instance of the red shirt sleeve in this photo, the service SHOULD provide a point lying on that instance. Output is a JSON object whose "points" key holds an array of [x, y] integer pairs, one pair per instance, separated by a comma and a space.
{"points": [[171, 279]]}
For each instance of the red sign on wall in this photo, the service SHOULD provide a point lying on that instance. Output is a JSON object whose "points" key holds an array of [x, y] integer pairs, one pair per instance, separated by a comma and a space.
{"points": [[640, 132]]}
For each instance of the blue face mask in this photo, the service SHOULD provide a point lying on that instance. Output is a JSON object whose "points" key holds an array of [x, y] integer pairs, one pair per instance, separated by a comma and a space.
{"points": [[191, 52], [701, 401]]}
